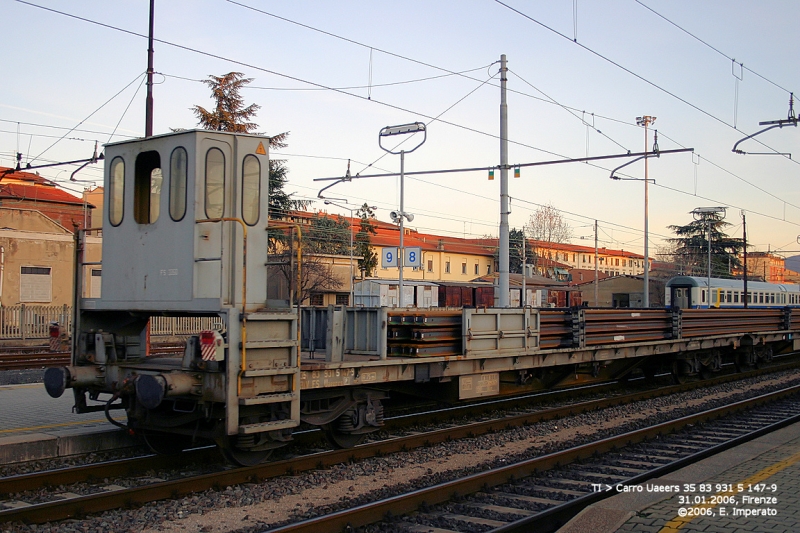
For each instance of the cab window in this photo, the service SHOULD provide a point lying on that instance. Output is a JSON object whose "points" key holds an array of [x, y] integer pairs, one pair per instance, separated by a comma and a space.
{"points": [[178, 169], [215, 183], [147, 187], [116, 191], [251, 189]]}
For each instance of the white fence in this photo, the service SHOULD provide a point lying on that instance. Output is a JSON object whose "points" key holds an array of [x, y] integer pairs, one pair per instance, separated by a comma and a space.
{"points": [[184, 325], [31, 321], [27, 322]]}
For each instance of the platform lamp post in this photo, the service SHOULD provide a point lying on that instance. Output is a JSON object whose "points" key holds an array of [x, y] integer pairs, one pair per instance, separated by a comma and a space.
{"points": [[708, 214], [352, 271], [645, 121], [389, 131]]}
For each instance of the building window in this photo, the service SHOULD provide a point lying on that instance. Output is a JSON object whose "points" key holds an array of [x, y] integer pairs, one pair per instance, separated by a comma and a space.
{"points": [[215, 183], [463, 268], [342, 299], [116, 191], [316, 299], [584, 258], [178, 170], [488, 269], [35, 284], [447, 267], [430, 265], [147, 187], [95, 283], [251, 189], [477, 272]]}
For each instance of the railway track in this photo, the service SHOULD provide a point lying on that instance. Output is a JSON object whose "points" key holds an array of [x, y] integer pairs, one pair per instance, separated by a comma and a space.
{"points": [[115, 495], [547, 491], [28, 357]]}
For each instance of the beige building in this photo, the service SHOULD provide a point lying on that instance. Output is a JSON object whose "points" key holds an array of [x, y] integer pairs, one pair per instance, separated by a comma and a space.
{"points": [[36, 260]]}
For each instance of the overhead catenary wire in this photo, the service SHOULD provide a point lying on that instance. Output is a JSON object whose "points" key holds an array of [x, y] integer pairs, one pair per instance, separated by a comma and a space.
{"points": [[85, 119], [280, 74], [322, 86], [717, 50], [638, 76]]}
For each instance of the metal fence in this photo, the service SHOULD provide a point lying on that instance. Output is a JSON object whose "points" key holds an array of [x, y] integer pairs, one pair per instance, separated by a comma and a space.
{"points": [[28, 322]]}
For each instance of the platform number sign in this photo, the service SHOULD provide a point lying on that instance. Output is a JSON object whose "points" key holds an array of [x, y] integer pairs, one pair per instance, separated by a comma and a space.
{"points": [[389, 257], [413, 257]]}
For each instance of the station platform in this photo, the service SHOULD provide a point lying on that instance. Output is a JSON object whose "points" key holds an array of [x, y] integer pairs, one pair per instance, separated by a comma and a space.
{"points": [[752, 488], [35, 426]]}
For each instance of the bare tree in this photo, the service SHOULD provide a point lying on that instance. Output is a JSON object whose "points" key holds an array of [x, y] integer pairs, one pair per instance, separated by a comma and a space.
{"points": [[317, 275], [547, 225]]}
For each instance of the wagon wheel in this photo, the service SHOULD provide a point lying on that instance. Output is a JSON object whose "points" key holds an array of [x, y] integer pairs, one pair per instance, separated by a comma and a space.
{"points": [[340, 439], [240, 456], [679, 376], [741, 363], [166, 443]]}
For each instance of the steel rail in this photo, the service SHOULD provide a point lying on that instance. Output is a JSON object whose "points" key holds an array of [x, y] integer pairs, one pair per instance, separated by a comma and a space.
{"points": [[443, 492], [63, 509], [31, 359]]}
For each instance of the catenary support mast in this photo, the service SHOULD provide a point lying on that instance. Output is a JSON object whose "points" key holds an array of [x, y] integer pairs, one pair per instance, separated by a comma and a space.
{"points": [[502, 298]]}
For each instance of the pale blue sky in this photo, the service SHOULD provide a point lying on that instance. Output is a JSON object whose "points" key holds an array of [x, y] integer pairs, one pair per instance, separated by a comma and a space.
{"points": [[59, 70]]}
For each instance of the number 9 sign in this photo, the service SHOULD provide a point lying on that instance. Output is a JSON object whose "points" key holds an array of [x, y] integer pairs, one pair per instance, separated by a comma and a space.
{"points": [[389, 257]]}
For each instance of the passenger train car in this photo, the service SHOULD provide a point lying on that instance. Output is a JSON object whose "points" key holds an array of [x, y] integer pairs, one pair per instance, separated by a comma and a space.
{"points": [[185, 233], [688, 292]]}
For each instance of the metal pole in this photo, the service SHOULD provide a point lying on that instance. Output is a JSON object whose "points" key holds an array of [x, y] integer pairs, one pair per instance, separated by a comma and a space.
{"points": [[148, 113], [646, 299], [503, 259], [744, 238], [401, 251], [523, 300], [596, 273], [352, 273], [709, 262]]}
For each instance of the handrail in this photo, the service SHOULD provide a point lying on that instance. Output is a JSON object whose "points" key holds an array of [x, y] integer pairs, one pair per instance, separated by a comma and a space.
{"points": [[295, 225]]}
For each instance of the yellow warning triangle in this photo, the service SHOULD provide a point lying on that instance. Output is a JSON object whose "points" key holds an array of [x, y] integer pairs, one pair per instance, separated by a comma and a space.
{"points": [[260, 150]]}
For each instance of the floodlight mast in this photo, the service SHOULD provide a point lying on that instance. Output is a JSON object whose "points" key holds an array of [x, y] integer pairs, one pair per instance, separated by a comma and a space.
{"points": [[388, 131]]}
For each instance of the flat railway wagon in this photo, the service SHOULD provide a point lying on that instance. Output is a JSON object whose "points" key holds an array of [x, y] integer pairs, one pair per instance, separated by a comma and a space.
{"points": [[185, 233]]}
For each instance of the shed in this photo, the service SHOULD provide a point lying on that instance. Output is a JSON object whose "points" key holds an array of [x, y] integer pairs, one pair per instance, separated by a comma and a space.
{"points": [[385, 293]]}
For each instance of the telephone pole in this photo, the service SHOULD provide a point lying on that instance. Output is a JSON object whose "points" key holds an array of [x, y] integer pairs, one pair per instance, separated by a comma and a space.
{"points": [[148, 112]]}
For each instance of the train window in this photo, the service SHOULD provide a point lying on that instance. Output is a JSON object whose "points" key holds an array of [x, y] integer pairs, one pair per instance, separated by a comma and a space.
{"points": [[147, 187], [761, 297], [116, 191], [736, 297], [703, 296], [772, 298], [251, 189], [728, 297], [178, 169], [215, 183]]}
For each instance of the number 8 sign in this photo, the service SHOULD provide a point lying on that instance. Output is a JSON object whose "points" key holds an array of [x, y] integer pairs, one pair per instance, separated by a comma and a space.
{"points": [[413, 257]]}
